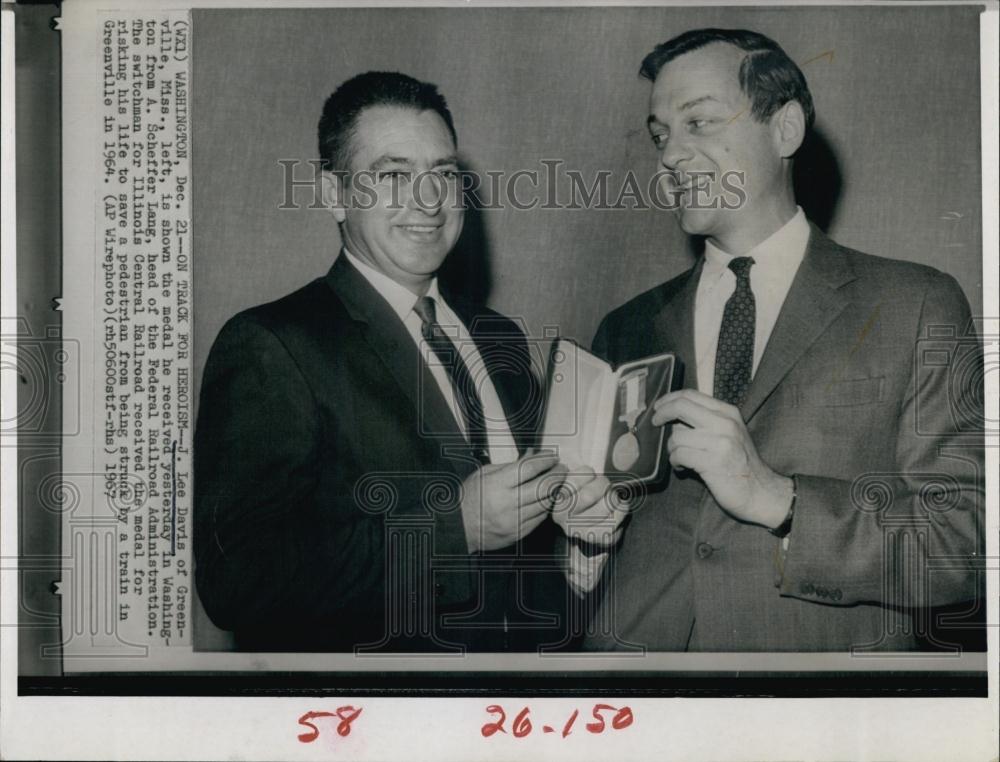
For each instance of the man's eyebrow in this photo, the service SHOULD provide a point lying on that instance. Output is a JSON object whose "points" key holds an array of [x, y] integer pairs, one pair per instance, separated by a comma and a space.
{"points": [[653, 120], [696, 101], [385, 159]]}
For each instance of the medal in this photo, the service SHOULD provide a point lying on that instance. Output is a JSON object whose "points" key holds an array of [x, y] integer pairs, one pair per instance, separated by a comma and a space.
{"points": [[631, 403], [626, 452]]}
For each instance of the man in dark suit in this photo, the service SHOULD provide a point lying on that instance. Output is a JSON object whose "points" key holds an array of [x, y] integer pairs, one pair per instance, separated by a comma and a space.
{"points": [[827, 451], [361, 476]]}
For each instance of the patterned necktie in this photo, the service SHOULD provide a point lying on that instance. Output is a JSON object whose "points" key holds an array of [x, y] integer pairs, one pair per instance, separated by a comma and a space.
{"points": [[734, 355], [462, 381]]}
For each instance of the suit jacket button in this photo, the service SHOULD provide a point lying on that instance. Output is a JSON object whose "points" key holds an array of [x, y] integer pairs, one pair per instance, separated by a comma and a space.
{"points": [[704, 550]]}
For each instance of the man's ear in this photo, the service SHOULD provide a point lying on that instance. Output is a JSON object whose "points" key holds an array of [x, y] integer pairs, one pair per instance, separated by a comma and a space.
{"points": [[789, 128], [333, 186]]}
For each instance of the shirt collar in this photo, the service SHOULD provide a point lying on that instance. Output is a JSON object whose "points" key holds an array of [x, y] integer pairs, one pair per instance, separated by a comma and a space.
{"points": [[783, 248], [433, 293], [400, 298]]}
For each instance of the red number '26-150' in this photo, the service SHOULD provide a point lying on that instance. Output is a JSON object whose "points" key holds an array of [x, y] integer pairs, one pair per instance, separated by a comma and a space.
{"points": [[522, 724]]}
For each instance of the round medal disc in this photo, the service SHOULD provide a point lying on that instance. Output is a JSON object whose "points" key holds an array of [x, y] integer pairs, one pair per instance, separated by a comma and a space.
{"points": [[625, 452]]}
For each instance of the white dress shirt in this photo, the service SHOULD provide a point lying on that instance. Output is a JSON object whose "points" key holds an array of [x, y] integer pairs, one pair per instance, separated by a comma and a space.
{"points": [[776, 260], [502, 447]]}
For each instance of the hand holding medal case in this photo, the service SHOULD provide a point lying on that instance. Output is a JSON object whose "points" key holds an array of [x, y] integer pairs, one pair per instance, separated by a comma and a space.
{"points": [[601, 417]]}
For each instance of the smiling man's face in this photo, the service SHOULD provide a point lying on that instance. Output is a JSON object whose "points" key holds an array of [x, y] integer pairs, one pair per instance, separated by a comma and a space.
{"points": [[701, 124], [400, 211]]}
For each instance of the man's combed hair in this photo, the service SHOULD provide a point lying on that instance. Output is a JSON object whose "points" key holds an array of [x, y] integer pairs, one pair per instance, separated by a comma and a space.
{"points": [[373, 88], [767, 75]]}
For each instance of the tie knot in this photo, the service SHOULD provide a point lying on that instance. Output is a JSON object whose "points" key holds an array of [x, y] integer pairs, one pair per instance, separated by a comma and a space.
{"points": [[426, 309], [741, 267]]}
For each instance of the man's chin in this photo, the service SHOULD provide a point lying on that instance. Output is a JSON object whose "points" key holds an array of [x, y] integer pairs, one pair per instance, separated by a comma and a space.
{"points": [[425, 260], [697, 221]]}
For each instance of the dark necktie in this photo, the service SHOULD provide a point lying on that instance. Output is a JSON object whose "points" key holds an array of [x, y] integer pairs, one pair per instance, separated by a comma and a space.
{"points": [[458, 372], [734, 355]]}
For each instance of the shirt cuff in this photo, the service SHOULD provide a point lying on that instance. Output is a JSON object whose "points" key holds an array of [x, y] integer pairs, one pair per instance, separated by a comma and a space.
{"points": [[583, 572]]}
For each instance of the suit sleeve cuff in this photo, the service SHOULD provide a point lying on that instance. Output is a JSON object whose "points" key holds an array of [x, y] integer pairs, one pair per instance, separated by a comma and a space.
{"points": [[830, 546]]}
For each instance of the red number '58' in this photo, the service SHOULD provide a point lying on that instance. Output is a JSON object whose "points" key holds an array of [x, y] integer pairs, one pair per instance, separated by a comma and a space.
{"points": [[346, 715]]}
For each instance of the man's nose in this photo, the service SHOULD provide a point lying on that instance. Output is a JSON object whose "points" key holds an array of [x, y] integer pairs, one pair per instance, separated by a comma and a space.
{"points": [[429, 192], [674, 153]]}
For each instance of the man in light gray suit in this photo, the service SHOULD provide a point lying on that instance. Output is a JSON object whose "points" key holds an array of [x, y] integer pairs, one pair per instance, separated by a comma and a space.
{"points": [[827, 452]]}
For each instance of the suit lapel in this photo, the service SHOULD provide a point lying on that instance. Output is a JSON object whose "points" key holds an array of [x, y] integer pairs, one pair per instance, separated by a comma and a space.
{"points": [[674, 325], [388, 338], [513, 389], [813, 302]]}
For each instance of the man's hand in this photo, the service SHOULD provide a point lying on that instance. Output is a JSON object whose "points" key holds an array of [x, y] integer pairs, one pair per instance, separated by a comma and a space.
{"points": [[503, 503], [587, 508], [713, 440]]}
